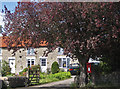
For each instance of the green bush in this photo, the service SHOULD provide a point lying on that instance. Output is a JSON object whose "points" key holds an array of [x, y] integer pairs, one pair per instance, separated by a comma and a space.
{"points": [[22, 73], [35, 67], [62, 75], [32, 68], [62, 70], [55, 68], [44, 78], [104, 68], [6, 70], [25, 70]]}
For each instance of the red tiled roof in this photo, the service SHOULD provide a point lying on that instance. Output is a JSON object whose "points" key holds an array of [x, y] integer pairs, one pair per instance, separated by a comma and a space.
{"points": [[3, 44]]}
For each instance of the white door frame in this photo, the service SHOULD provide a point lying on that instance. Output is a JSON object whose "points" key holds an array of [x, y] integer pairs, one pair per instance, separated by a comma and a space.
{"points": [[43, 68], [13, 65]]}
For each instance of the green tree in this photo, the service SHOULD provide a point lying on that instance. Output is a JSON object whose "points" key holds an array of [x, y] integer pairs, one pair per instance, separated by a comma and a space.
{"points": [[55, 67], [5, 68], [83, 29]]}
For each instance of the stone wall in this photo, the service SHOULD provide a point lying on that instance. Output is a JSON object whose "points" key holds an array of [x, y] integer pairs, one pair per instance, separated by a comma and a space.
{"points": [[112, 79], [15, 81], [21, 55]]}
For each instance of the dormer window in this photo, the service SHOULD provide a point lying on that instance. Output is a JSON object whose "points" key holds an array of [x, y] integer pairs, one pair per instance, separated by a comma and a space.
{"points": [[30, 51], [60, 51]]}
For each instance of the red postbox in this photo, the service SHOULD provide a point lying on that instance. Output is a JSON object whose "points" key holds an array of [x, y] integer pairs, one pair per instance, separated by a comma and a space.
{"points": [[89, 67]]}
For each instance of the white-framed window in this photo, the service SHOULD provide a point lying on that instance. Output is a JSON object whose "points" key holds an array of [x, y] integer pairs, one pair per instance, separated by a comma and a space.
{"points": [[30, 51], [43, 61], [60, 51], [30, 61], [63, 61], [0, 51]]}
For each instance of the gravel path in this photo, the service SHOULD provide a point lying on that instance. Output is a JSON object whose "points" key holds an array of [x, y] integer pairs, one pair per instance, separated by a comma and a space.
{"points": [[54, 85]]}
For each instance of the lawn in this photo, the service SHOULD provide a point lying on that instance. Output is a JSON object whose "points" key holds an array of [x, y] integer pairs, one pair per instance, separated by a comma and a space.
{"points": [[47, 78]]}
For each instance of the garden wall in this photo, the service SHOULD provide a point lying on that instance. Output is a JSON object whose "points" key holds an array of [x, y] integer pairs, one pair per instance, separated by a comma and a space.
{"points": [[112, 79], [15, 82]]}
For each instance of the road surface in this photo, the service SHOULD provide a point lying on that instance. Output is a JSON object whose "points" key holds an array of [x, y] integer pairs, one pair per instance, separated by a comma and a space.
{"points": [[54, 85]]}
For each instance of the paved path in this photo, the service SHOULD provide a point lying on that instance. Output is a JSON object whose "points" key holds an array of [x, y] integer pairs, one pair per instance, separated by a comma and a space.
{"points": [[54, 85]]}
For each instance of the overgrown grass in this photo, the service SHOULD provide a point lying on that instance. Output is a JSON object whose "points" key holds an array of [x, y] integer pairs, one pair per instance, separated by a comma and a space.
{"points": [[47, 78]]}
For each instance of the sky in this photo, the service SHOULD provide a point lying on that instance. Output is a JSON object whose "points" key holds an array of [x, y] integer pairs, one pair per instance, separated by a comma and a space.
{"points": [[10, 5]]}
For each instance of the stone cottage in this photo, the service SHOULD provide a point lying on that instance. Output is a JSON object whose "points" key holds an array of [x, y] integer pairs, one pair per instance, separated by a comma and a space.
{"points": [[24, 58]]}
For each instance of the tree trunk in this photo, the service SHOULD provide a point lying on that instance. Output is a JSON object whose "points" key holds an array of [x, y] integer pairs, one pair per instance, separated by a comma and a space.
{"points": [[83, 76]]}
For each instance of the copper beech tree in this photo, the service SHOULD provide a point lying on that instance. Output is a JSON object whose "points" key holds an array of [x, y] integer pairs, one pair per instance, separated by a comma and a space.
{"points": [[83, 29]]}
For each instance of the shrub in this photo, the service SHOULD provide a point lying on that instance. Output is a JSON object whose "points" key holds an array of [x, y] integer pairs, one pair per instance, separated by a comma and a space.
{"points": [[32, 68], [55, 68], [35, 67], [44, 78], [62, 75], [104, 68], [25, 70], [23, 73], [48, 71], [62, 70], [5, 68], [17, 81]]}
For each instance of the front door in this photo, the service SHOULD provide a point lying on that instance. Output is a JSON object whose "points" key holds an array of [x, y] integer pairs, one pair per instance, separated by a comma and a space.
{"points": [[12, 65], [43, 62]]}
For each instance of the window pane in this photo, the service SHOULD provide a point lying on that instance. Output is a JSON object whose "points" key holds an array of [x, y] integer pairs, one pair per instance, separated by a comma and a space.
{"points": [[32, 62], [64, 63], [28, 51], [43, 62], [64, 59], [32, 50], [60, 62], [28, 62]]}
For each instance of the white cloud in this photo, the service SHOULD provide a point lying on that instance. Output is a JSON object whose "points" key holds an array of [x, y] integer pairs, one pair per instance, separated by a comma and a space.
{"points": [[1, 19]]}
